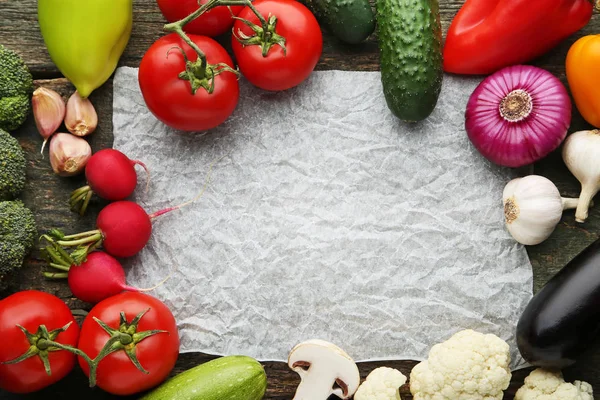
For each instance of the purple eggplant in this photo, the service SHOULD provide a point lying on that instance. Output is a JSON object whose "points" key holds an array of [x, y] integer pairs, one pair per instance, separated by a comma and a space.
{"points": [[563, 319]]}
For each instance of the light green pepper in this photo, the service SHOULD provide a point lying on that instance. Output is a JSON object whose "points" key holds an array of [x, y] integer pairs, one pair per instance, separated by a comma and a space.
{"points": [[86, 38]]}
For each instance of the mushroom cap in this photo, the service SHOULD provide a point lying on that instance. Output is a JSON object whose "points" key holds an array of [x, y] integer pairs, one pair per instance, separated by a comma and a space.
{"points": [[325, 356]]}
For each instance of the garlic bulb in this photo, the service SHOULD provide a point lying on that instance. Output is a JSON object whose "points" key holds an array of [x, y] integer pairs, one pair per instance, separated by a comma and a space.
{"points": [[581, 154], [68, 154], [532, 208]]}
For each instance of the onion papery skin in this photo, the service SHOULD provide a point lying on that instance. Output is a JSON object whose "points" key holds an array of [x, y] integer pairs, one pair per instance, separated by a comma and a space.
{"points": [[523, 138]]}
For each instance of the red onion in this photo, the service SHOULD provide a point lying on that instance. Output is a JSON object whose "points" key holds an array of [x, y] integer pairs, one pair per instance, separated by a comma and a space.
{"points": [[518, 115]]}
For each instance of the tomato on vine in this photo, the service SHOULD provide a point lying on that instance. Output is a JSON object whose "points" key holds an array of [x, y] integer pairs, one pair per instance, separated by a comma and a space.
{"points": [[134, 342], [280, 49], [212, 23], [189, 86], [39, 339]]}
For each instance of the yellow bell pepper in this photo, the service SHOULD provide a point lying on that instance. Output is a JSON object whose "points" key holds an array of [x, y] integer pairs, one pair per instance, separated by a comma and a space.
{"points": [[86, 38], [583, 74]]}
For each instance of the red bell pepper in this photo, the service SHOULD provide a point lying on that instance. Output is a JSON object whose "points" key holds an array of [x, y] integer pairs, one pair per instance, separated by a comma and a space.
{"points": [[487, 35]]}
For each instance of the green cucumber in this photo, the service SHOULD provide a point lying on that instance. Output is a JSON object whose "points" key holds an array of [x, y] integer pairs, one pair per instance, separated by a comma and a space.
{"points": [[351, 21], [410, 43], [231, 377]]}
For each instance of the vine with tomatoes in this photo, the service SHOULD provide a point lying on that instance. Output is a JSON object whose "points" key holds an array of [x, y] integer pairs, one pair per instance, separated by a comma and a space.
{"points": [[188, 80], [129, 342]]}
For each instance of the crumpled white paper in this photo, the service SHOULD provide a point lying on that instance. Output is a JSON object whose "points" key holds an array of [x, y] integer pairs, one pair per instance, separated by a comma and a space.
{"points": [[326, 217]]}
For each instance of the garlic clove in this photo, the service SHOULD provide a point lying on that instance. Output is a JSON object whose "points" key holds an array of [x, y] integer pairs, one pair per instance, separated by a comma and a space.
{"points": [[48, 112], [69, 154], [81, 118]]}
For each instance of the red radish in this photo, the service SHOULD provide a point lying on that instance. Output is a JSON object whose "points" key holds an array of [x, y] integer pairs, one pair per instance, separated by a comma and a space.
{"points": [[111, 175], [123, 229], [99, 277]]}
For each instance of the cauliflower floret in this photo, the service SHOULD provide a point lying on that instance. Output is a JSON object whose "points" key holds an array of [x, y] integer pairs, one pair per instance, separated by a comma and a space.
{"points": [[468, 366], [381, 384], [548, 385]]}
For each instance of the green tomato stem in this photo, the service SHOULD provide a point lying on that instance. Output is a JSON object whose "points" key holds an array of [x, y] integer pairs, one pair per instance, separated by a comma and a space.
{"points": [[177, 27]]}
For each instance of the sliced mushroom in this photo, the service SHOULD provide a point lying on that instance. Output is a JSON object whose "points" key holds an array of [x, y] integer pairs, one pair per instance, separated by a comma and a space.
{"points": [[324, 369]]}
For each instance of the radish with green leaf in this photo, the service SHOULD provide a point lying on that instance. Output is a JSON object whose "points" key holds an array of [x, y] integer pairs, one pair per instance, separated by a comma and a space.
{"points": [[111, 175], [97, 278]]}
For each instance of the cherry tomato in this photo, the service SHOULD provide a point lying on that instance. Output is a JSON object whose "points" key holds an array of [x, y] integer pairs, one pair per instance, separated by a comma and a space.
{"points": [[31, 310], [171, 99], [279, 70], [212, 23], [156, 353]]}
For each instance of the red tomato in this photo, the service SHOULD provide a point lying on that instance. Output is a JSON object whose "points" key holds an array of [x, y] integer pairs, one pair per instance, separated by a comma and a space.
{"points": [[170, 98], [303, 42], [212, 23], [30, 309], [157, 353]]}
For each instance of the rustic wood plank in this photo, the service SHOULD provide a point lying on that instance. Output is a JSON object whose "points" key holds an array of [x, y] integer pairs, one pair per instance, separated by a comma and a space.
{"points": [[20, 31], [47, 194]]}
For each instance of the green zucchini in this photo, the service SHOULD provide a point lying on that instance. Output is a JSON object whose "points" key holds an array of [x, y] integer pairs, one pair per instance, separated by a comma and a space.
{"points": [[231, 377], [351, 21], [410, 43]]}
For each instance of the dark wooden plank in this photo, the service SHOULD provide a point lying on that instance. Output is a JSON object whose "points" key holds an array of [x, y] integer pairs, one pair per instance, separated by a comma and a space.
{"points": [[19, 30], [47, 194]]}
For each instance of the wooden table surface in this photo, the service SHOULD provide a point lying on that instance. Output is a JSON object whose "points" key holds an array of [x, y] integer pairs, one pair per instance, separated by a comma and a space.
{"points": [[47, 195]]}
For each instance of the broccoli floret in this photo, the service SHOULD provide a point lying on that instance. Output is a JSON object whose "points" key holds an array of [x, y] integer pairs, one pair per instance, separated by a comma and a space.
{"points": [[17, 235], [11, 257], [17, 223], [16, 85], [12, 167]]}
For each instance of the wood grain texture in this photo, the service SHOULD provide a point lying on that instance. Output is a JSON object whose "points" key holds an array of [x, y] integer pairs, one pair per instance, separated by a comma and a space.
{"points": [[48, 195], [20, 31]]}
